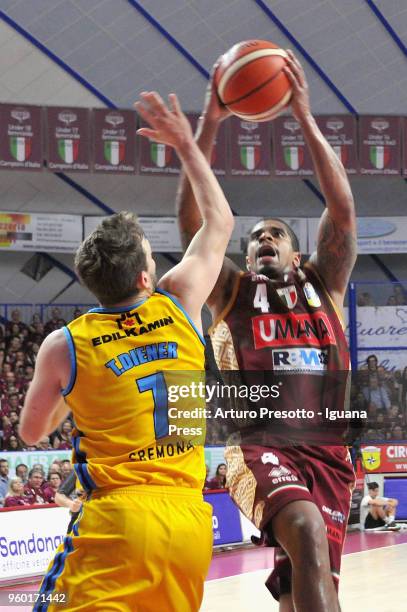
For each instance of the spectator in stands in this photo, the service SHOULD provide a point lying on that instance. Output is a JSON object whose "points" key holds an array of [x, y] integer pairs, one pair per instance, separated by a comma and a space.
{"points": [[52, 487], [14, 322], [55, 467], [14, 345], [77, 313], [219, 480], [365, 299], [206, 484], [44, 444], [4, 479], [32, 489], [397, 433], [376, 394], [14, 444], [28, 372], [15, 495], [62, 438], [35, 319], [377, 511], [38, 467], [31, 354], [391, 300], [22, 472], [55, 322], [395, 416], [400, 295], [70, 495], [66, 469]]}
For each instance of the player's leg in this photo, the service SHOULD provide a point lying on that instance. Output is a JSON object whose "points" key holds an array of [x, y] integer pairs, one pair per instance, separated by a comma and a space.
{"points": [[286, 603], [300, 530]]}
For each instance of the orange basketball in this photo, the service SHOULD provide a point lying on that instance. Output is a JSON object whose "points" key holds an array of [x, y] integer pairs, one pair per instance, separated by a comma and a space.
{"points": [[251, 82]]}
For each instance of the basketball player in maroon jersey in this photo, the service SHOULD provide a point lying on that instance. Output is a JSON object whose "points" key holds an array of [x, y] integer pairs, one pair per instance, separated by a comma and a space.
{"points": [[276, 314]]}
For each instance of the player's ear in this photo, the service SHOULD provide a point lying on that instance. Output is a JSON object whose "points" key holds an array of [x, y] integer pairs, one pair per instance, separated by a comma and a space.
{"points": [[143, 280], [297, 259]]}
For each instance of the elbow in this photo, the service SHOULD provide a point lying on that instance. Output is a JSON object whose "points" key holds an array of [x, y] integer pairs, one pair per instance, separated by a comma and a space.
{"points": [[27, 435]]}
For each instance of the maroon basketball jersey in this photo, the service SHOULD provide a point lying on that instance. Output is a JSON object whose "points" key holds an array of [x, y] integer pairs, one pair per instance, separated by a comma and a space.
{"points": [[290, 331]]}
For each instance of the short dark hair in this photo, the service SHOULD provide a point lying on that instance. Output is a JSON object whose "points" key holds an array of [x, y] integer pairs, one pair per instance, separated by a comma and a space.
{"points": [[111, 257], [295, 243], [372, 485], [372, 357]]}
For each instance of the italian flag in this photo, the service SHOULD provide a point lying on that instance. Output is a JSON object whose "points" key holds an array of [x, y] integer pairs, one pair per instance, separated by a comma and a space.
{"points": [[20, 147], [292, 157], [379, 156], [160, 154], [248, 157], [68, 149], [114, 152]]}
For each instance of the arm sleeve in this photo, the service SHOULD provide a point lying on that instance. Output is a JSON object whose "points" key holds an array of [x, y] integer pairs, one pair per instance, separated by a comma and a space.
{"points": [[68, 486]]}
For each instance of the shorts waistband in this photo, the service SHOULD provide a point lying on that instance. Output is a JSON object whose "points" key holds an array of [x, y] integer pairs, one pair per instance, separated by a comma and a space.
{"points": [[150, 491]]}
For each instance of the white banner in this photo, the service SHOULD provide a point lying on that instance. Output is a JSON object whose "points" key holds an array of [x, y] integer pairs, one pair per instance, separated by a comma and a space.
{"points": [[40, 232], [382, 326], [163, 233], [28, 540], [375, 235]]}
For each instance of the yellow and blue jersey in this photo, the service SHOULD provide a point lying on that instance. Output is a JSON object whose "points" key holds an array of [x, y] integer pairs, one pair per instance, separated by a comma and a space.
{"points": [[122, 361]]}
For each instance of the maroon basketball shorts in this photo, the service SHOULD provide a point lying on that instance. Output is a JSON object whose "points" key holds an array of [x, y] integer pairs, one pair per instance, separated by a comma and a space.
{"points": [[262, 480]]}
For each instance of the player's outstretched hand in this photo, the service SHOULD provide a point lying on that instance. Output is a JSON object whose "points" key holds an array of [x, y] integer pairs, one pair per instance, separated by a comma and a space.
{"points": [[168, 125], [300, 103], [214, 109]]}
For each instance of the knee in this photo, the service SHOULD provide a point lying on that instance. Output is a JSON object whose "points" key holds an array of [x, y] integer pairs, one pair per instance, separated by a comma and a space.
{"points": [[307, 538]]}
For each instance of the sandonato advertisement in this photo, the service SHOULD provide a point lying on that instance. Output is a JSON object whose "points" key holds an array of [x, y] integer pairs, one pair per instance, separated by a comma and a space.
{"points": [[28, 540]]}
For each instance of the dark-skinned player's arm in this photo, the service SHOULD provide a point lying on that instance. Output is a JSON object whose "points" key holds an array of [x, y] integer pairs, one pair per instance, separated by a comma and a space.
{"points": [[336, 245], [193, 279], [187, 209]]}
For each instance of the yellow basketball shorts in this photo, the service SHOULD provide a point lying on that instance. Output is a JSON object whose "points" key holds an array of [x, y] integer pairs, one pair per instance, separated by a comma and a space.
{"points": [[136, 549]]}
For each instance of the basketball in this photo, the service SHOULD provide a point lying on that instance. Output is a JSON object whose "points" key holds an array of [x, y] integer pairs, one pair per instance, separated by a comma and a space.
{"points": [[251, 82]]}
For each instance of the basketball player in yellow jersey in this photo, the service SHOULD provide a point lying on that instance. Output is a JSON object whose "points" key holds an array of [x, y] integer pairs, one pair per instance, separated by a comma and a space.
{"points": [[143, 540]]}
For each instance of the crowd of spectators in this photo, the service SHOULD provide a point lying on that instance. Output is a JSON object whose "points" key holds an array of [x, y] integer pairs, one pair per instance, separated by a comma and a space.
{"points": [[31, 487], [383, 395], [19, 345], [397, 298]]}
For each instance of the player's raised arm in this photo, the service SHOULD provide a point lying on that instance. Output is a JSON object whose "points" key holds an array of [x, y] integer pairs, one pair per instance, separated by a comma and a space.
{"points": [[336, 246], [187, 209], [193, 279]]}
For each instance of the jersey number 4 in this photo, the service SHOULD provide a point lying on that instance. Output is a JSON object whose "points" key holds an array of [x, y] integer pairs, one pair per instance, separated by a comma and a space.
{"points": [[260, 299]]}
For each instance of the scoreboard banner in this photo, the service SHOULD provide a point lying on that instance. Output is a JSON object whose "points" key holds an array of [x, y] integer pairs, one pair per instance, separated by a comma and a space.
{"points": [[40, 232]]}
